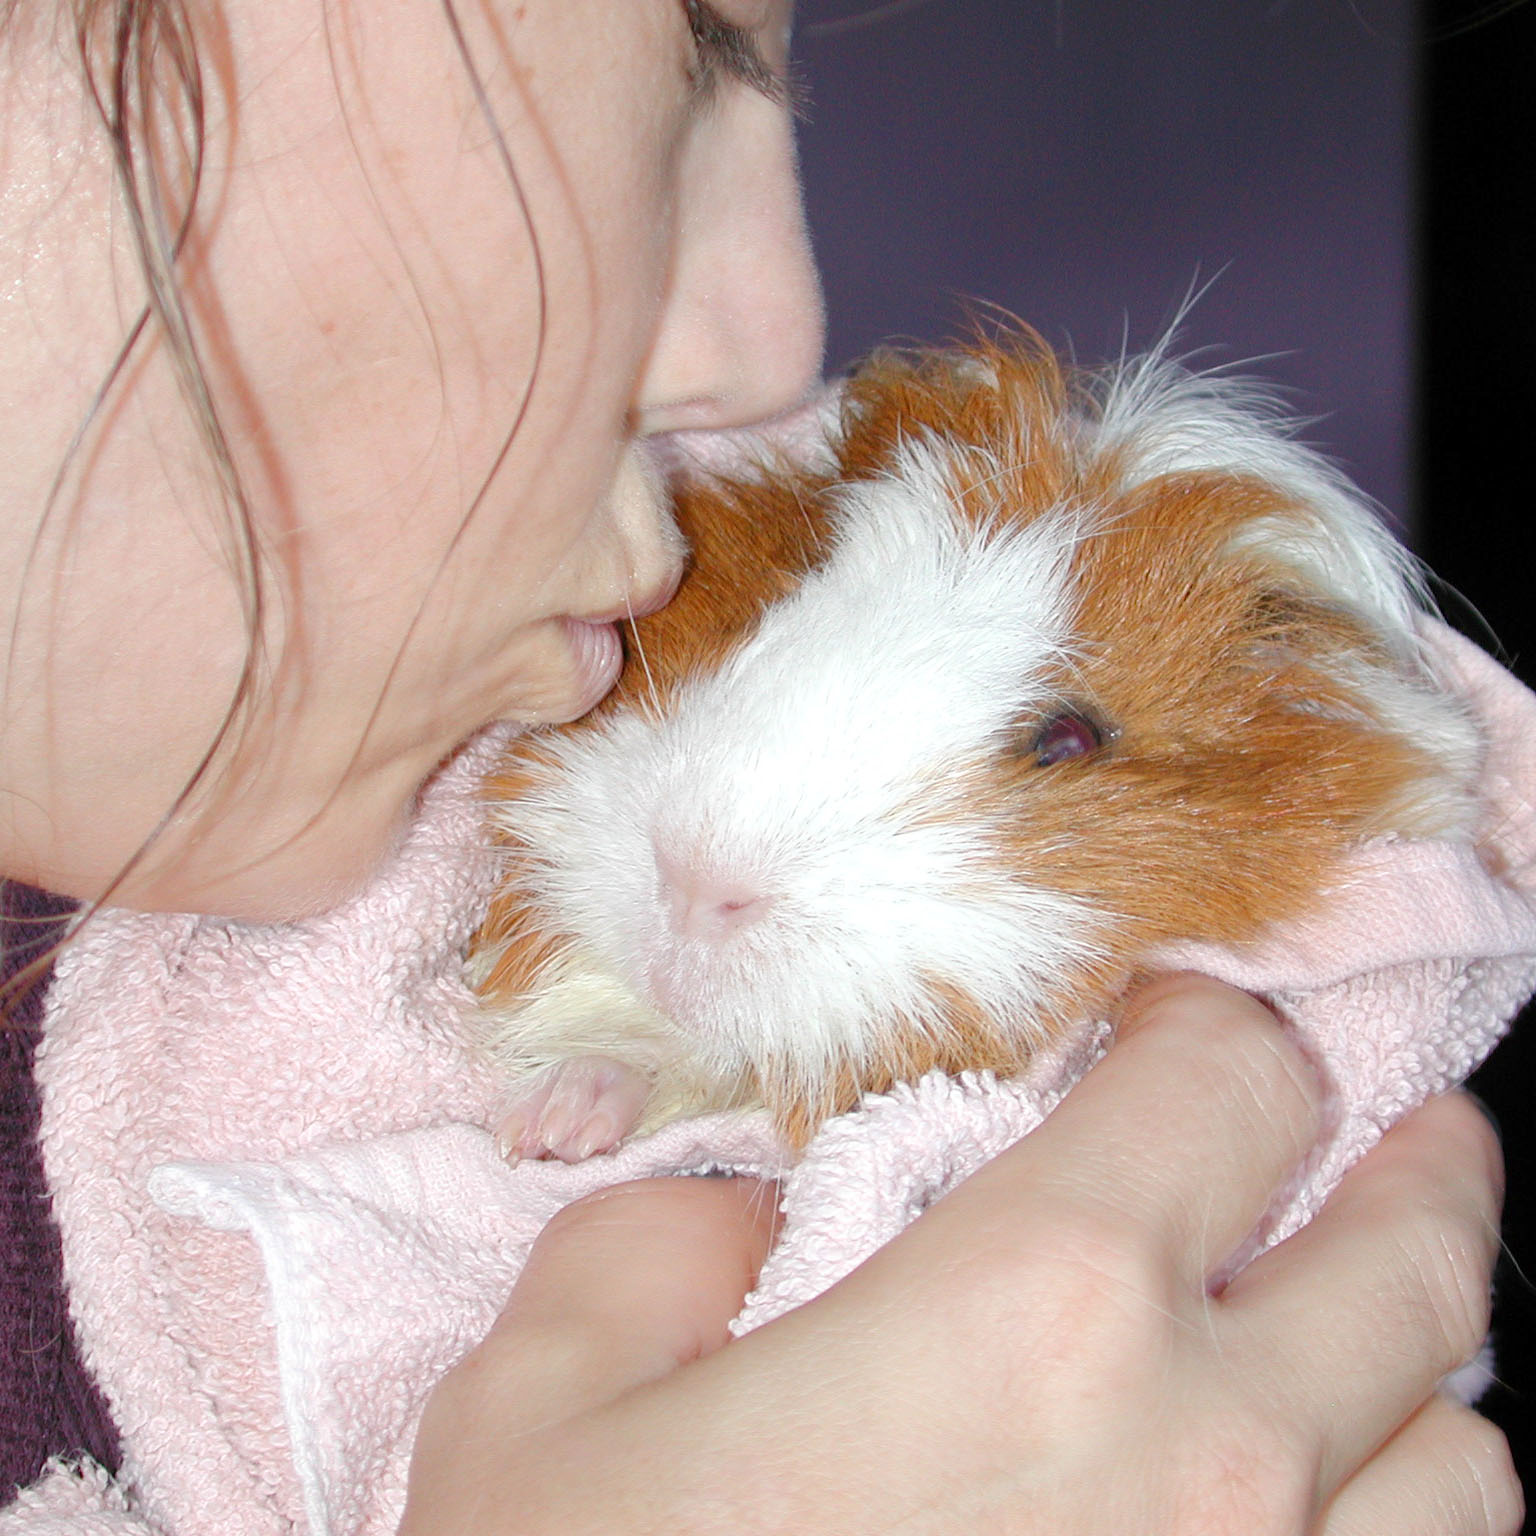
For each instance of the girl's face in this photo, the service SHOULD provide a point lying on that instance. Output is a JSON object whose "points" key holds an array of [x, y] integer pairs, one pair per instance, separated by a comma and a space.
{"points": [[365, 277]]}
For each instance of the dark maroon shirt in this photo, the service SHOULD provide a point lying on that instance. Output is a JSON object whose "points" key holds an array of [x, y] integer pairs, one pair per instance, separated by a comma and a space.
{"points": [[49, 1406]]}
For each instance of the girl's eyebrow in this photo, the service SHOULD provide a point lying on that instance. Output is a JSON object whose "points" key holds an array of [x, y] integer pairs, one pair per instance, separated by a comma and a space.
{"points": [[733, 51]]}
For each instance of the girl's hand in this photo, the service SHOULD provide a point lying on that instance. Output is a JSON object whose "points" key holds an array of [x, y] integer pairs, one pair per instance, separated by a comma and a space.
{"points": [[1037, 1354]]}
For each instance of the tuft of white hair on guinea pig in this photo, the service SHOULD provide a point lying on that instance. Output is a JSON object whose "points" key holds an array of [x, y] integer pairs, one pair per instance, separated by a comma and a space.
{"points": [[939, 742]]}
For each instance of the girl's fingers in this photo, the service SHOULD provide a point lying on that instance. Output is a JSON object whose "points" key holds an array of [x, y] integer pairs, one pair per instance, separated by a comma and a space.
{"points": [[1447, 1472], [619, 1289], [1384, 1293], [1181, 1135]]}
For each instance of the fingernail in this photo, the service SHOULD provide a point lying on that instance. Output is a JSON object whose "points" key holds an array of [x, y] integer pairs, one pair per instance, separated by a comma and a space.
{"points": [[509, 1137], [557, 1125]]}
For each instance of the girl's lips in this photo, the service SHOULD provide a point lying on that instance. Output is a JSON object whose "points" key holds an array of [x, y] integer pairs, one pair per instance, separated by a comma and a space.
{"points": [[597, 648], [598, 656]]}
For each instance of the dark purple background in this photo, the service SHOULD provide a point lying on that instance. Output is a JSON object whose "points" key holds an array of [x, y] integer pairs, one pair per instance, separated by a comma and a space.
{"points": [[1084, 162]]}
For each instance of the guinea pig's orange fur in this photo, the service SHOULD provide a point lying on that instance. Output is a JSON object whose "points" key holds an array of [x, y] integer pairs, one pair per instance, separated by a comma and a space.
{"points": [[1244, 760]]}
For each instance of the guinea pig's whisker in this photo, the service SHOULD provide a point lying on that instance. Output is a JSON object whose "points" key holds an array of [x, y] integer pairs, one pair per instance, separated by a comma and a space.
{"points": [[639, 646], [804, 512]]}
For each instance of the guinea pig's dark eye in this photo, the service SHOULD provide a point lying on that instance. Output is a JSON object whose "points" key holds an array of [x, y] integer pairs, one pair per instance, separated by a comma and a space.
{"points": [[1064, 735]]}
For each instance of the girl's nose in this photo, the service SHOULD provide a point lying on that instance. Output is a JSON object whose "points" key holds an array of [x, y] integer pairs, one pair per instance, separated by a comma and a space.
{"points": [[742, 330]]}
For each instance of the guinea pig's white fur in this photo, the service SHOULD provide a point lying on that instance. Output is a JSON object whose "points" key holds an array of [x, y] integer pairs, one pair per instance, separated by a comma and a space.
{"points": [[936, 746]]}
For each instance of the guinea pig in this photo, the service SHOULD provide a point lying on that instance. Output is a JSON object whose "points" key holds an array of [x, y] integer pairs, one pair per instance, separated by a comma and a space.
{"points": [[1036, 671]]}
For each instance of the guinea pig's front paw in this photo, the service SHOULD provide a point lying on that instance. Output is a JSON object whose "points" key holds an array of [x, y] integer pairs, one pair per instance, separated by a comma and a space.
{"points": [[573, 1110]]}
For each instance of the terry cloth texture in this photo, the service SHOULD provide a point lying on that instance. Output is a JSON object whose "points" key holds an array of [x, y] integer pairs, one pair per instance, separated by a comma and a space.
{"points": [[283, 1215]]}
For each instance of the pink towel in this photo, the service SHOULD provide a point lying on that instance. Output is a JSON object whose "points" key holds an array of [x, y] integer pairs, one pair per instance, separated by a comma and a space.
{"points": [[283, 1216]]}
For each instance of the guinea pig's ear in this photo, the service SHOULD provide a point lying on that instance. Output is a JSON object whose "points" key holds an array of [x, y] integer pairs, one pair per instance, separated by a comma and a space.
{"points": [[1316, 657], [1323, 549]]}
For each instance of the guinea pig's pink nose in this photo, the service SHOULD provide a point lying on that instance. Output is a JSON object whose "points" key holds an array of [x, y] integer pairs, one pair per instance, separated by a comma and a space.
{"points": [[704, 906]]}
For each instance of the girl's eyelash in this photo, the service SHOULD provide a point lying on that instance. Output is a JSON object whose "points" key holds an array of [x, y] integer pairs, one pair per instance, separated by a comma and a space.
{"points": [[723, 48]]}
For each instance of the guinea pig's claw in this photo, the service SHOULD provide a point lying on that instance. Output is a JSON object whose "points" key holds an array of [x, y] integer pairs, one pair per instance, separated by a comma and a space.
{"points": [[573, 1110]]}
